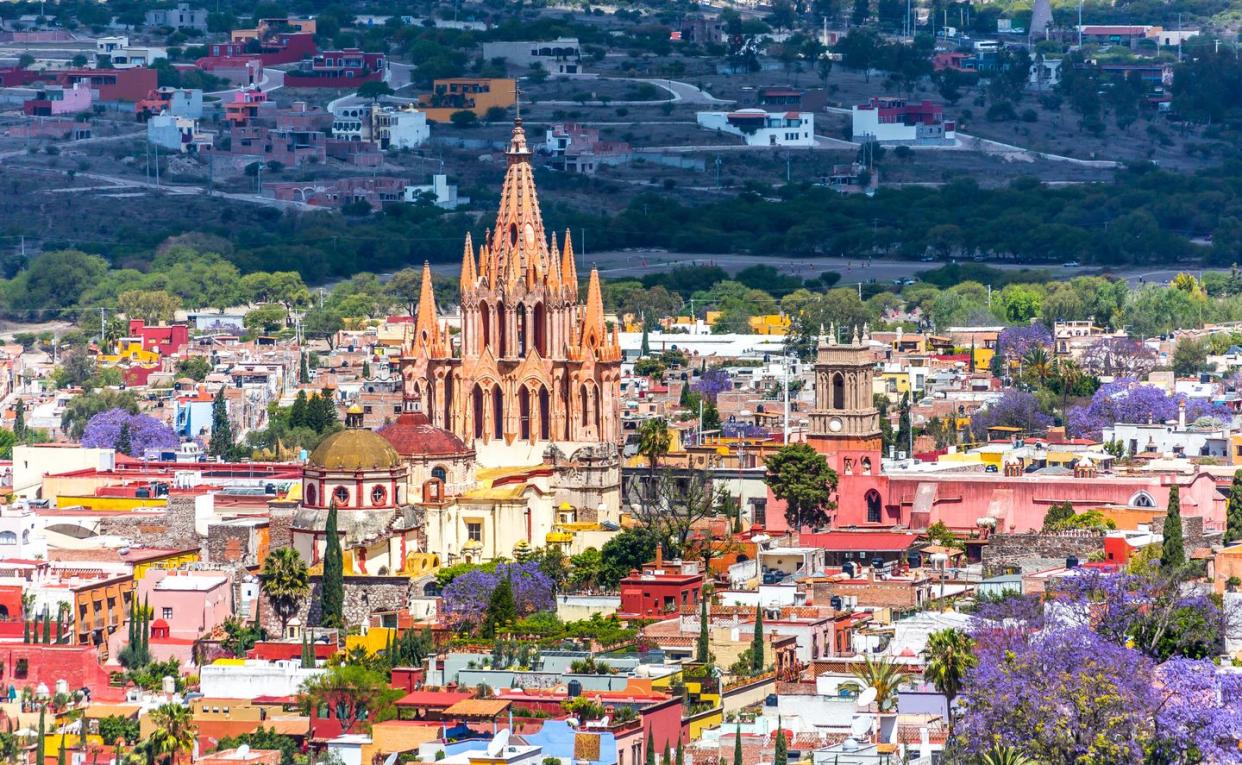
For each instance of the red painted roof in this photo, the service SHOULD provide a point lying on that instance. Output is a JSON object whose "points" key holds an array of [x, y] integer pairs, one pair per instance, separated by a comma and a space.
{"points": [[860, 540], [441, 699], [414, 435]]}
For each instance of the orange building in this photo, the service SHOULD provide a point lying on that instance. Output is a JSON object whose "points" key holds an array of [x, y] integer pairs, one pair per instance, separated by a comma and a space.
{"points": [[101, 607], [474, 94]]}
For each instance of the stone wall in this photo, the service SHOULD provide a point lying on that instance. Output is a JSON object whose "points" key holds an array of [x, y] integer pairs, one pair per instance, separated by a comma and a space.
{"points": [[173, 528], [232, 544], [364, 595], [1004, 552]]}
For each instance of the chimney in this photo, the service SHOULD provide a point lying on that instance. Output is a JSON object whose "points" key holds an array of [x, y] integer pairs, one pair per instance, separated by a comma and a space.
{"points": [[659, 561]]}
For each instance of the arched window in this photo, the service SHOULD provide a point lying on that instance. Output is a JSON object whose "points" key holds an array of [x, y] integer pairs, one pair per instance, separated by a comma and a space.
{"points": [[477, 400], [379, 495], [8, 538], [447, 423], [1142, 499], [521, 332], [524, 412], [498, 414], [502, 332], [440, 473], [26, 536], [312, 495], [341, 495], [838, 391], [873, 506], [866, 465], [583, 395], [541, 329], [545, 424], [485, 320]]}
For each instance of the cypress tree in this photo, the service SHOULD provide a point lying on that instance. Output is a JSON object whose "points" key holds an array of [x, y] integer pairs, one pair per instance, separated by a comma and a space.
{"points": [[970, 363], [903, 424], [124, 440], [501, 608], [666, 759], [756, 643], [332, 598], [1173, 552], [41, 744], [82, 733], [366, 370], [297, 412], [1233, 511], [60, 754], [645, 349], [47, 626], [303, 369], [650, 759], [25, 630], [781, 755], [702, 650], [737, 746], [144, 637], [221, 429], [19, 419], [681, 754]]}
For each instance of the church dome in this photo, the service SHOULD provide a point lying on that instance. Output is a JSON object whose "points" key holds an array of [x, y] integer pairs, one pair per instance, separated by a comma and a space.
{"points": [[413, 435], [354, 449]]}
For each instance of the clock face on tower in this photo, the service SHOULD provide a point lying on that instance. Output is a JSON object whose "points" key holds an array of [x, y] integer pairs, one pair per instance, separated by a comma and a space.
{"points": [[835, 425]]}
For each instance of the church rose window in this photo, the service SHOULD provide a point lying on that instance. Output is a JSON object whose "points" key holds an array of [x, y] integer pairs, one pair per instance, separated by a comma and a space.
{"points": [[378, 495], [341, 495]]}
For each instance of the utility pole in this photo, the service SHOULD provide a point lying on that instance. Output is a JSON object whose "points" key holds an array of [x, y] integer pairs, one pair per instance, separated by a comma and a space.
{"points": [[785, 367], [102, 330], [157, 165]]}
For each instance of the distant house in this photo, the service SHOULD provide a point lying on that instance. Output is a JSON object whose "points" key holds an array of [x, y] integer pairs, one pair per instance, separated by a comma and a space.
{"points": [[561, 56], [391, 123], [179, 102], [956, 60], [475, 94], [578, 149], [57, 99], [443, 193], [760, 128], [893, 120], [180, 17], [179, 134], [346, 68]]}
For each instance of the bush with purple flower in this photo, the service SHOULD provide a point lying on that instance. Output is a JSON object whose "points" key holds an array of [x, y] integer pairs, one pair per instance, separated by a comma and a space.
{"points": [[1129, 401], [132, 434], [467, 596]]}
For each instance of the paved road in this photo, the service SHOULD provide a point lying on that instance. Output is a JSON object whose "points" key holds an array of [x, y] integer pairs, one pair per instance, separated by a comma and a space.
{"points": [[273, 79], [122, 184]]}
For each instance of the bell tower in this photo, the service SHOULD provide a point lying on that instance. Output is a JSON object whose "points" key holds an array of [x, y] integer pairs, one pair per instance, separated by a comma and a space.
{"points": [[845, 410]]}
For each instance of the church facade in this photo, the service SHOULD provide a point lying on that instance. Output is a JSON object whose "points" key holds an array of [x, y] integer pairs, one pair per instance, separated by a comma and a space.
{"points": [[533, 365]]}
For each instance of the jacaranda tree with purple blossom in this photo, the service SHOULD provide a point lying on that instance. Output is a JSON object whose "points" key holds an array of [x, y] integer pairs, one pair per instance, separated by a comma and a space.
{"points": [[1014, 343], [713, 382], [1129, 401], [1107, 669], [1015, 408], [467, 596], [106, 429]]}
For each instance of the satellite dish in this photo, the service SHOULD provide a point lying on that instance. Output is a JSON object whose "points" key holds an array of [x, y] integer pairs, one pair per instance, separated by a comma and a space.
{"points": [[866, 698], [391, 759], [860, 727], [498, 744], [243, 751]]}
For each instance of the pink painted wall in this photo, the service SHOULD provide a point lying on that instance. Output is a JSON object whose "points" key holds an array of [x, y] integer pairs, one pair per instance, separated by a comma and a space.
{"points": [[194, 612]]}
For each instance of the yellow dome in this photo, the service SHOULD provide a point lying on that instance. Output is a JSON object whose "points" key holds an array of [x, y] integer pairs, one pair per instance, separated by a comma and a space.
{"points": [[354, 449]]}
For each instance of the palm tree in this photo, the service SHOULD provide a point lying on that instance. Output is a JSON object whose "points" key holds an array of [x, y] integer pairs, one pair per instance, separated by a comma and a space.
{"points": [[1004, 755], [949, 654], [1069, 374], [1038, 364], [285, 583], [174, 734], [654, 440], [884, 676]]}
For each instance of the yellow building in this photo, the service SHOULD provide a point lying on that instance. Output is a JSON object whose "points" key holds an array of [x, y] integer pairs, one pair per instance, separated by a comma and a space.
{"points": [[770, 324], [130, 350], [472, 94], [148, 560]]}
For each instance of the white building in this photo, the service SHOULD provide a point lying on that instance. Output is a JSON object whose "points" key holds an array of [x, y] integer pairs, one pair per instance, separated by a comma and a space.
{"points": [[254, 677], [892, 120], [562, 56], [181, 17], [179, 134], [444, 193], [760, 128], [392, 125]]}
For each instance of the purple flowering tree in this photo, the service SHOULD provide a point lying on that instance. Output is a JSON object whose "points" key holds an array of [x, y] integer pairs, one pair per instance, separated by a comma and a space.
{"points": [[1127, 400], [466, 597], [713, 383], [1119, 356], [1015, 408], [143, 432], [1014, 343], [1198, 713]]}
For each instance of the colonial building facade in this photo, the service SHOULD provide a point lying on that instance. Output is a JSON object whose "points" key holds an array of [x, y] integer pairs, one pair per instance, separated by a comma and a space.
{"points": [[533, 366]]}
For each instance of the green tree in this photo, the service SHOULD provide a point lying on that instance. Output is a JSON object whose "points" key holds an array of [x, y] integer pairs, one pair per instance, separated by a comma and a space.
{"points": [[702, 648], [1173, 550], [353, 693], [1233, 510], [332, 597], [801, 477], [1189, 357], [756, 643], [651, 754], [221, 444], [174, 734], [950, 655], [114, 728], [654, 441], [666, 758], [374, 90], [41, 743], [303, 369], [737, 745], [905, 425], [1058, 515], [501, 609], [265, 319], [152, 306], [19, 420], [780, 756], [285, 582], [885, 676]]}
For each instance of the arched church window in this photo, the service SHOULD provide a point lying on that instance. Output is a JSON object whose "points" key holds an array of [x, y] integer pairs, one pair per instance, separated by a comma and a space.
{"points": [[440, 473], [341, 495], [838, 391], [378, 496], [312, 495], [873, 506]]}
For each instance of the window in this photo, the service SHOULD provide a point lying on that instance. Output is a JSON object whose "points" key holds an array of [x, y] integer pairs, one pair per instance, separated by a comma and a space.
{"points": [[8, 538], [341, 495], [474, 530], [439, 473], [21, 669], [312, 495], [873, 506], [166, 613], [379, 495]]}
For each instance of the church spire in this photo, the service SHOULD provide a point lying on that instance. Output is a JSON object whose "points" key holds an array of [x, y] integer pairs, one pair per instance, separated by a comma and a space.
{"points": [[554, 266], [569, 271], [426, 329], [593, 318], [468, 274]]}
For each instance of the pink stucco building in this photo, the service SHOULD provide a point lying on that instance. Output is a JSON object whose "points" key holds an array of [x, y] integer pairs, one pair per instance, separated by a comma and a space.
{"points": [[189, 603]]}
